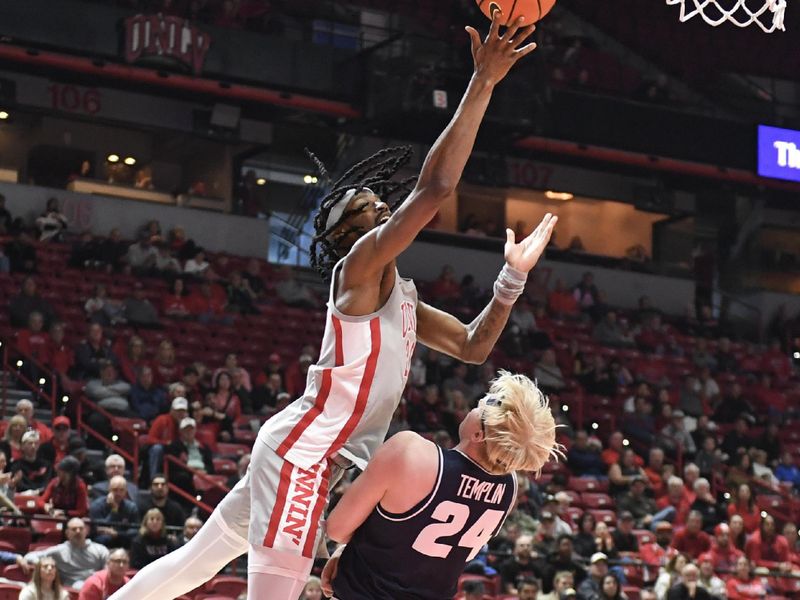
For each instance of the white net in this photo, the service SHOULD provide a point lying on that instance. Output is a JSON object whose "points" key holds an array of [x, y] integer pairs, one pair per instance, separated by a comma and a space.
{"points": [[767, 14]]}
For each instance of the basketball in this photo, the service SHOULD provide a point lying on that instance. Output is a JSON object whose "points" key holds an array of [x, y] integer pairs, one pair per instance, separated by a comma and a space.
{"points": [[532, 10]]}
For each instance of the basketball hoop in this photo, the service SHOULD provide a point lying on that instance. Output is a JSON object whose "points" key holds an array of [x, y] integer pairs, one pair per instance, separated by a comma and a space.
{"points": [[769, 16]]}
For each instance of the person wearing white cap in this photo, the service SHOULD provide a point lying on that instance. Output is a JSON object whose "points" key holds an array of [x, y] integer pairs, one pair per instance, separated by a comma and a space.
{"points": [[164, 431], [373, 323], [188, 449], [598, 568], [30, 472]]}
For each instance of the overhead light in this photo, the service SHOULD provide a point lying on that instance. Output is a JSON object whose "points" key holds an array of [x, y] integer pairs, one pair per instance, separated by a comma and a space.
{"points": [[3, 115], [626, 442], [130, 161], [309, 179], [112, 158], [763, 514], [563, 196], [261, 181]]}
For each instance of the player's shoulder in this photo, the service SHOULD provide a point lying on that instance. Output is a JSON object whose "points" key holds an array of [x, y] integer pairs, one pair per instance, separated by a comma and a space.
{"points": [[405, 446]]}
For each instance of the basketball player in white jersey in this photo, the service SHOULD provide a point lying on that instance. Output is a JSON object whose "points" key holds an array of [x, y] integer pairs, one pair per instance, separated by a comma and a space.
{"points": [[374, 321], [418, 513]]}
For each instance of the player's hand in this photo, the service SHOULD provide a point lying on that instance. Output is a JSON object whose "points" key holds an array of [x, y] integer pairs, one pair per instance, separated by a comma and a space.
{"points": [[328, 575], [524, 255], [497, 53]]}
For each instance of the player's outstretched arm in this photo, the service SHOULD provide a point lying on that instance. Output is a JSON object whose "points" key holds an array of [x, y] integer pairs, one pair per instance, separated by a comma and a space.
{"points": [[474, 342], [445, 162]]}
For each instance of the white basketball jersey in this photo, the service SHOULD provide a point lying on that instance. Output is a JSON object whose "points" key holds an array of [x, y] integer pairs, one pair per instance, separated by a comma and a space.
{"points": [[355, 387]]}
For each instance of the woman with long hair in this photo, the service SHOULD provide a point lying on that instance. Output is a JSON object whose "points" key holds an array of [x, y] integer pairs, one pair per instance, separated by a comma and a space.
{"points": [[312, 590], [12, 438], [741, 472], [604, 541], [165, 368], [622, 472], [743, 586], [584, 541], [670, 575], [766, 547], [744, 504], [223, 405], [45, 583], [152, 542], [66, 494], [133, 359], [176, 302], [611, 589], [738, 534]]}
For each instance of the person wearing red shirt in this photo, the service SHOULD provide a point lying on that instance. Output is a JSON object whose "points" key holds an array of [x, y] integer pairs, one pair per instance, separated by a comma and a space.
{"points": [[744, 505], [692, 540], [66, 494], [25, 408], [165, 369], [445, 287], [723, 553], [676, 498], [656, 554], [163, 432], [742, 586], [561, 301], [62, 356], [132, 360], [58, 447], [766, 547], [208, 302], [176, 303], [33, 341], [104, 583], [296, 374]]}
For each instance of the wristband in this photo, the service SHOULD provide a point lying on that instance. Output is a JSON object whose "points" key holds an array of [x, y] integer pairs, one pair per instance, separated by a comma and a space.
{"points": [[509, 285]]}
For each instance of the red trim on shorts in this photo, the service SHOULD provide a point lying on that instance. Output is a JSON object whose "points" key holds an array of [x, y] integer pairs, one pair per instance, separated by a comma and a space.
{"points": [[339, 344], [280, 503], [364, 388], [322, 498]]}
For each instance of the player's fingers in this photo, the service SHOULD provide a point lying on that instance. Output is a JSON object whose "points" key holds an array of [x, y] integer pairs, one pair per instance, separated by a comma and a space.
{"points": [[495, 27], [474, 39], [523, 35], [525, 50], [512, 29], [510, 237]]}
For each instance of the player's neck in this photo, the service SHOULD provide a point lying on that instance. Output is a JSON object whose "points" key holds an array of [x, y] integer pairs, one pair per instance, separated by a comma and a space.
{"points": [[475, 452]]}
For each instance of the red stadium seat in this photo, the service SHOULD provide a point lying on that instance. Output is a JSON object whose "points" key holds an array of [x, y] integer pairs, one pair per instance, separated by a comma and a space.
{"points": [[584, 484], [19, 537], [9, 591], [232, 450], [644, 536], [609, 517], [596, 500], [15, 573], [224, 466]]}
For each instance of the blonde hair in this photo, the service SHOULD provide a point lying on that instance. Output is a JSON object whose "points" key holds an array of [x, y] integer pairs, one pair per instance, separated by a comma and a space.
{"points": [[36, 580], [153, 512], [520, 430], [15, 420], [311, 582]]}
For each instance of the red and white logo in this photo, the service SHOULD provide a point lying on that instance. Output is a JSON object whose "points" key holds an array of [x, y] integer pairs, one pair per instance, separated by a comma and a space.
{"points": [[165, 38]]}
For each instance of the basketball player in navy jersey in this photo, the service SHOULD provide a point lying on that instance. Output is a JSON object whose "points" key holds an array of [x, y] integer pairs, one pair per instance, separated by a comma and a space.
{"points": [[373, 323], [418, 513]]}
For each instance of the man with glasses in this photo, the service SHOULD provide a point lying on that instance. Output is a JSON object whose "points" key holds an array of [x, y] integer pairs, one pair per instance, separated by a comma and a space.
{"points": [[104, 583], [419, 513]]}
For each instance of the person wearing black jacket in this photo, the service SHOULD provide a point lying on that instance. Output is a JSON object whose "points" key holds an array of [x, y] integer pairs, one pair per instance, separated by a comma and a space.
{"points": [[30, 471], [688, 588], [172, 511], [190, 451]]}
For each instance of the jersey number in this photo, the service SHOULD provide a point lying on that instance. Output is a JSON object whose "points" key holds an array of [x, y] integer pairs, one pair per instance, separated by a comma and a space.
{"points": [[453, 516]]}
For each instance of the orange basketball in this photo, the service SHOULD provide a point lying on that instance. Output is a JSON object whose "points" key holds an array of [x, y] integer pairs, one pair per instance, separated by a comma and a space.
{"points": [[532, 10]]}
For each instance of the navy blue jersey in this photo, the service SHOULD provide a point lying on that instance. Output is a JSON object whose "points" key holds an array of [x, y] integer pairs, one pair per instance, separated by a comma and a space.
{"points": [[419, 555]]}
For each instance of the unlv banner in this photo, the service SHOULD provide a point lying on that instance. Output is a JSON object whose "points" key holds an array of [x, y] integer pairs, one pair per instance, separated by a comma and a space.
{"points": [[163, 40]]}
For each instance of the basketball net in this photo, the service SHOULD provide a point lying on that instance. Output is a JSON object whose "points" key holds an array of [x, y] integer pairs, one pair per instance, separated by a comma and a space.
{"points": [[740, 14]]}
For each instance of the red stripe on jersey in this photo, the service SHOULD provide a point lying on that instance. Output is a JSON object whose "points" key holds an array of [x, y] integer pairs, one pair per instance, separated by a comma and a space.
{"points": [[319, 403], [280, 502], [337, 328], [363, 390], [322, 497]]}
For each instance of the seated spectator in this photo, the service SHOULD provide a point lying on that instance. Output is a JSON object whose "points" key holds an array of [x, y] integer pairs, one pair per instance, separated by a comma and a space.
{"points": [[591, 586], [176, 303], [732, 406], [584, 458], [604, 541], [11, 443], [743, 585], [138, 310], [561, 302], [586, 296], [584, 540], [92, 353], [689, 586], [62, 357], [112, 251], [625, 541], [152, 542], [54, 450], [241, 297], [231, 365], [190, 529], [147, 401], [164, 431], [165, 263], [26, 302], [658, 552], [34, 341], [208, 302], [109, 391], [654, 471], [725, 358], [561, 583], [66, 495], [770, 442], [24, 408], [674, 437], [766, 547], [596, 378], [706, 504], [192, 453], [787, 470], [709, 388], [677, 499], [622, 473], [165, 366], [313, 589], [197, 266], [133, 359], [738, 441], [141, 256], [670, 575], [691, 401], [76, 560], [692, 540], [445, 288], [102, 309], [45, 583], [150, 231], [702, 356], [52, 223], [104, 583], [738, 533], [635, 501], [548, 374], [709, 459], [114, 516], [114, 467], [724, 553], [609, 332], [21, 252], [564, 560], [520, 565], [293, 293], [743, 504], [159, 498], [30, 472], [776, 362], [761, 469]]}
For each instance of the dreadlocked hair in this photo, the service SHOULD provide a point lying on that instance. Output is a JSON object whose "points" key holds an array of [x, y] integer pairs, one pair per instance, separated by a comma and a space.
{"points": [[376, 173]]}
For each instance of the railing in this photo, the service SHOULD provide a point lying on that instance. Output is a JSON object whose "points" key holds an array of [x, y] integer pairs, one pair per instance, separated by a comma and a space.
{"points": [[132, 456], [13, 360], [168, 459]]}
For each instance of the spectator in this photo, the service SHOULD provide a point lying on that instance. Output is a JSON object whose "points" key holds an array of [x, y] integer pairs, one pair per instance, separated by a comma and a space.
{"points": [[670, 575], [165, 264], [743, 586], [104, 583], [114, 467], [26, 302], [66, 495], [641, 507], [21, 253], [725, 358], [732, 406], [561, 301], [190, 528], [252, 274], [708, 581], [604, 541], [776, 362], [164, 431], [561, 582], [150, 231], [548, 374], [24, 408], [741, 471], [691, 401], [654, 472], [564, 559], [625, 541], [723, 553], [702, 357], [609, 332], [12, 438], [692, 540], [622, 473], [76, 559], [62, 357], [241, 297], [586, 296], [133, 359], [192, 453], [197, 266], [114, 515], [659, 551], [147, 401], [208, 303], [709, 388], [33, 341], [738, 534], [709, 459], [139, 311], [109, 391], [584, 540], [92, 353], [57, 447], [159, 498], [176, 303], [675, 438], [165, 367], [689, 586], [596, 378], [787, 470], [611, 588], [52, 223], [112, 251], [223, 407], [445, 288], [141, 256], [744, 505], [770, 442], [152, 542], [766, 547], [520, 565], [102, 309], [706, 505], [313, 589], [590, 588], [30, 472], [231, 365], [45, 583]]}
